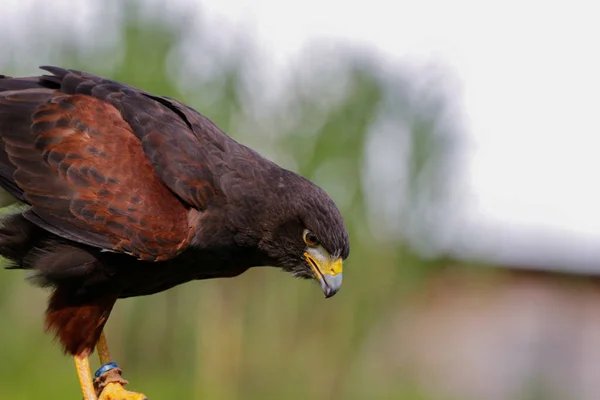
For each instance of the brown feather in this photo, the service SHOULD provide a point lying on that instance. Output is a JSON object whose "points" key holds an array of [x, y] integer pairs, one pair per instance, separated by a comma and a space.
{"points": [[77, 325], [99, 188]]}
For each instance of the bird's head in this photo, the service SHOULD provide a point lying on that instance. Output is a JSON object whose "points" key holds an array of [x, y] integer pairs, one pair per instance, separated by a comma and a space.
{"points": [[307, 235]]}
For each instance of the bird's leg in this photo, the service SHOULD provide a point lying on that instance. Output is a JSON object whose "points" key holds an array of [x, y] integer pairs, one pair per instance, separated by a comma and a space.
{"points": [[82, 363], [102, 348], [109, 383]]}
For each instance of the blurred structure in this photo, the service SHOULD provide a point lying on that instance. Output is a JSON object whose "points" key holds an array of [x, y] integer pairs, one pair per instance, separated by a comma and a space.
{"points": [[504, 334], [385, 142]]}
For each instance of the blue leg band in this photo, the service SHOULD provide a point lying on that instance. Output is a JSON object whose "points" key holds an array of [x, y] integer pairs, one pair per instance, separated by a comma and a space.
{"points": [[105, 368]]}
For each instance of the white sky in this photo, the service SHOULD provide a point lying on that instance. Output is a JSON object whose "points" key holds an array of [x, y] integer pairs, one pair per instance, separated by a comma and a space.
{"points": [[530, 76]]}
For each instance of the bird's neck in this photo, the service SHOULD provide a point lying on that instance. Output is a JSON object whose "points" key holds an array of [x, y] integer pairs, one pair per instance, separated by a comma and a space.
{"points": [[218, 262], [223, 245]]}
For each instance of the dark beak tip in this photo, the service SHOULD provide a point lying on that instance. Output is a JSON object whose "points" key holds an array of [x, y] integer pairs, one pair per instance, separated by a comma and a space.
{"points": [[330, 293]]}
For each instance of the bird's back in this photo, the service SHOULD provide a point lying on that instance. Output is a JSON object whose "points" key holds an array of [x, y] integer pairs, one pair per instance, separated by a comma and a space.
{"points": [[104, 166]]}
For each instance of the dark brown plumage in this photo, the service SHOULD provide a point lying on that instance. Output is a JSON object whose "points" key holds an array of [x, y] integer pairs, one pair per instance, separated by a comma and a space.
{"points": [[131, 194]]}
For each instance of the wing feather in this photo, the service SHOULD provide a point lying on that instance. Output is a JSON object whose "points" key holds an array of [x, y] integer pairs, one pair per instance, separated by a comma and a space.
{"points": [[86, 175], [185, 148]]}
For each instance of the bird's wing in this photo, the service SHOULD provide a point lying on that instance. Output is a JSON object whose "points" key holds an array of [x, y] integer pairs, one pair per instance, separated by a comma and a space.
{"points": [[86, 175], [184, 147]]}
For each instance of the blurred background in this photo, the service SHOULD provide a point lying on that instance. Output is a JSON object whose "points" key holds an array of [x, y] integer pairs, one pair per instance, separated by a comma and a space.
{"points": [[459, 140]]}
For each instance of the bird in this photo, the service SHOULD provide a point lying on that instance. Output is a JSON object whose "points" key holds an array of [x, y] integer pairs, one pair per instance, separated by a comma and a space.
{"points": [[127, 193]]}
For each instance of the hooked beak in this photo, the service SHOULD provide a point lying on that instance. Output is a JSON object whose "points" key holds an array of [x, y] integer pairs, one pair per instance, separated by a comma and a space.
{"points": [[327, 271]]}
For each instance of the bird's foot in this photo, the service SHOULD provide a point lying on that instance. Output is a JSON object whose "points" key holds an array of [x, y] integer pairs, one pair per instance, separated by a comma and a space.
{"points": [[116, 391], [109, 384]]}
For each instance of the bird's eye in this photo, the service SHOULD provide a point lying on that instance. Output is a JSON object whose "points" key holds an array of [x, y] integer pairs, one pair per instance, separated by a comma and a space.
{"points": [[310, 238]]}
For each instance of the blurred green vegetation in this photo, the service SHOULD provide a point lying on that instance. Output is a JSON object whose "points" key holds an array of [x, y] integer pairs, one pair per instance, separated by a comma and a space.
{"points": [[263, 335]]}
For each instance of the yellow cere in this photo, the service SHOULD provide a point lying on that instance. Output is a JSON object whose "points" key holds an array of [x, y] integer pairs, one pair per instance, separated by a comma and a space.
{"points": [[334, 268]]}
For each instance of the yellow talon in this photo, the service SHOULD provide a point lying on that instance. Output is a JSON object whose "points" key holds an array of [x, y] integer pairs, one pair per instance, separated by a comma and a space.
{"points": [[114, 391], [109, 385]]}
